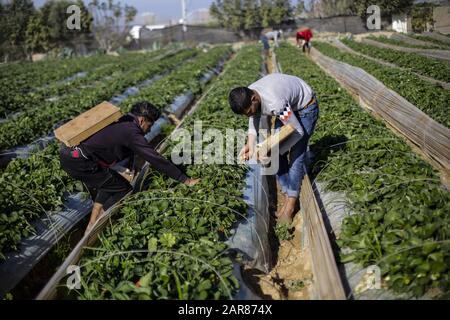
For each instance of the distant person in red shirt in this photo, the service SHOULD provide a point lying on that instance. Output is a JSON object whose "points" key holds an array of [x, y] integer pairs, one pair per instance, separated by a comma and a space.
{"points": [[305, 34]]}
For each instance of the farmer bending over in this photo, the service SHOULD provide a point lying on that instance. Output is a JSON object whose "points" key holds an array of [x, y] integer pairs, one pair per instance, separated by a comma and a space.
{"points": [[293, 102], [92, 159], [305, 34]]}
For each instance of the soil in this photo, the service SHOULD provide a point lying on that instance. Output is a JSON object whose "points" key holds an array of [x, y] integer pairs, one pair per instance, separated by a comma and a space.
{"points": [[291, 278]]}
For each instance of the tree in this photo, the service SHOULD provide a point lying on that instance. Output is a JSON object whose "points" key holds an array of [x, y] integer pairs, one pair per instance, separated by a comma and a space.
{"points": [[37, 35], [54, 14], [251, 15], [111, 23], [266, 13], [48, 27], [422, 17], [331, 8], [2, 24], [15, 17], [282, 11], [300, 7]]}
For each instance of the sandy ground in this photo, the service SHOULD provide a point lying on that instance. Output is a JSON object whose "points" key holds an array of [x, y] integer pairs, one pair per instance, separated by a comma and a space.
{"points": [[291, 278]]}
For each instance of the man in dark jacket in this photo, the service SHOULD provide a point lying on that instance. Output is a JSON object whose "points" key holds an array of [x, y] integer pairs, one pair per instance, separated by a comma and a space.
{"points": [[92, 159]]}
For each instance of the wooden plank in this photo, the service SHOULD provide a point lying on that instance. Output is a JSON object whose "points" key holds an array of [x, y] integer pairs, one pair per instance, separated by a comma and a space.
{"points": [[272, 141], [327, 280], [87, 123]]}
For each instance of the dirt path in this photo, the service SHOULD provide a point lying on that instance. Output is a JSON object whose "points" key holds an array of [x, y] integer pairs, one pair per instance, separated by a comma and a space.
{"points": [[291, 277]]}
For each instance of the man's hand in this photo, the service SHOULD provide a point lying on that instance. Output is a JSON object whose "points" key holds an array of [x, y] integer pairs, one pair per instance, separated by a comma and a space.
{"points": [[192, 182], [263, 159], [247, 152]]}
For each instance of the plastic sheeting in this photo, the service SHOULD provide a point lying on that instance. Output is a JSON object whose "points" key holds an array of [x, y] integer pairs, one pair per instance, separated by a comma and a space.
{"points": [[157, 128], [409, 40], [49, 230], [250, 238], [438, 36], [244, 292], [131, 91], [77, 75], [24, 152], [336, 207], [427, 136], [180, 103]]}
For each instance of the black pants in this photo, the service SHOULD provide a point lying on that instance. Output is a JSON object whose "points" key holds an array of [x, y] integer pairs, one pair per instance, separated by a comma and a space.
{"points": [[306, 45], [106, 186]]}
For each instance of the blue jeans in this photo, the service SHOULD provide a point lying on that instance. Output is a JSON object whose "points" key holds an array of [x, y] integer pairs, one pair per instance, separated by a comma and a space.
{"points": [[291, 171]]}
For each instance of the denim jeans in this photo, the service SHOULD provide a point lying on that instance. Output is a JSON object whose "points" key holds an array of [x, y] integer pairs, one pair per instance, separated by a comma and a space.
{"points": [[291, 170]]}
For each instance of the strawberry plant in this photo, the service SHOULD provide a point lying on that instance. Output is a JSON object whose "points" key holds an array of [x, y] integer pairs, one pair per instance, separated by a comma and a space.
{"points": [[431, 99], [430, 67], [167, 243], [432, 41], [36, 97], [18, 79], [400, 219], [401, 43], [25, 176], [163, 91], [32, 124], [31, 187]]}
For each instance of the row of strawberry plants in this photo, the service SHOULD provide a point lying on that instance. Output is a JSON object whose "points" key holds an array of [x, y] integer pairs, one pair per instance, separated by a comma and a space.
{"points": [[26, 76], [33, 99], [430, 67], [402, 43], [24, 199], [401, 219], [21, 79], [21, 72], [163, 91], [32, 124], [167, 243], [437, 42], [431, 99]]}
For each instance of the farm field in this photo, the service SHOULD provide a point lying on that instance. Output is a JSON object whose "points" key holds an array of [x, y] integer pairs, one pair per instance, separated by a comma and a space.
{"points": [[376, 200]]}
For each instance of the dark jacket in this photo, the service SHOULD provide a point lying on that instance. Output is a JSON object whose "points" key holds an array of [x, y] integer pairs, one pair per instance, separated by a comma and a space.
{"points": [[122, 139]]}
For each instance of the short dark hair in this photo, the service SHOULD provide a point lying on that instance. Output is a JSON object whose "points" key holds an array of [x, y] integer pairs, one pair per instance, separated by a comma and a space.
{"points": [[240, 99], [147, 110]]}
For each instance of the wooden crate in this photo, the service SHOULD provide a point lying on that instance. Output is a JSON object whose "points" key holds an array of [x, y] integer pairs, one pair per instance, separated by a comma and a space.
{"points": [[87, 123]]}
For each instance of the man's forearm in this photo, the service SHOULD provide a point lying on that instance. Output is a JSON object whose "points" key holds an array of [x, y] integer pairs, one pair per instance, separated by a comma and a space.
{"points": [[251, 140]]}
